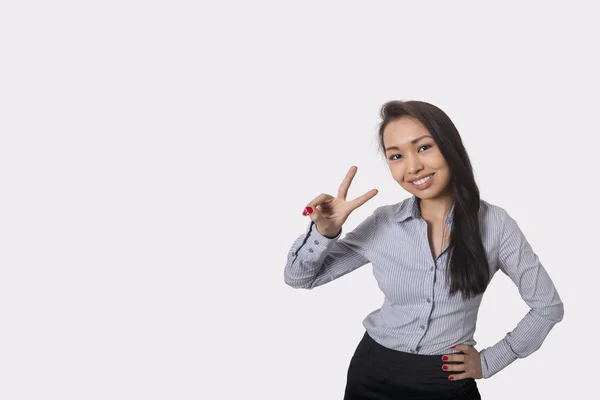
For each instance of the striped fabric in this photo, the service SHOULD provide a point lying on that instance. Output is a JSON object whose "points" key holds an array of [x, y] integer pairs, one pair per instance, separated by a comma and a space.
{"points": [[418, 315]]}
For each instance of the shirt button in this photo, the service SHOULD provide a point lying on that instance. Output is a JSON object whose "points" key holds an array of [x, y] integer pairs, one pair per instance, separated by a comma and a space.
{"points": [[431, 269], [429, 300], [422, 326], [311, 251], [317, 242]]}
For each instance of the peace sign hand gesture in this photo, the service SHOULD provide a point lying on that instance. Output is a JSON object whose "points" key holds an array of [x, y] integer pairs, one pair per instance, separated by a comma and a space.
{"points": [[329, 213]]}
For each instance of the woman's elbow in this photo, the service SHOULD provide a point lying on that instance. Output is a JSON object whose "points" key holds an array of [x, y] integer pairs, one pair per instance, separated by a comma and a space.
{"points": [[298, 283]]}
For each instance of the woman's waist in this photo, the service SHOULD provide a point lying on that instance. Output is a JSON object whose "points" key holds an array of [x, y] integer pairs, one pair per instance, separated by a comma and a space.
{"points": [[409, 360], [414, 337]]}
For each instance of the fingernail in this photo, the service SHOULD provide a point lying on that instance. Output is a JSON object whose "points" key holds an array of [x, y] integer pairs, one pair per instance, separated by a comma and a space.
{"points": [[445, 358], [307, 210], [451, 378], [453, 347], [445, 367]]}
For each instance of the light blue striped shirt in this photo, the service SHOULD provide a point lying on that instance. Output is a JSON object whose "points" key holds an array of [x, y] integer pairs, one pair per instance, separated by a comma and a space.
{"points": [[418, 315]]}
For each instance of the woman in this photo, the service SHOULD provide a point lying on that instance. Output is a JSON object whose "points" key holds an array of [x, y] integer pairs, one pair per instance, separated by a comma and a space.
{"points": [[433, 256]]}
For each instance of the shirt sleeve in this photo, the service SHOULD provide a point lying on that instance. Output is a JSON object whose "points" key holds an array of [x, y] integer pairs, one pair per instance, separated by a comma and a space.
{"points": [[518, 260], [314, 259]]}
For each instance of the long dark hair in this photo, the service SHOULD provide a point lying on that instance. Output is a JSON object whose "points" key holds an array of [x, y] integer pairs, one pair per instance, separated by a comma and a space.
{"points": [[468, 269]]}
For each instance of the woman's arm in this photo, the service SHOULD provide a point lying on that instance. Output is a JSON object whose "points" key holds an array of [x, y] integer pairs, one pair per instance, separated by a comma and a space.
{"points": [[518, 261], [314, 259]]}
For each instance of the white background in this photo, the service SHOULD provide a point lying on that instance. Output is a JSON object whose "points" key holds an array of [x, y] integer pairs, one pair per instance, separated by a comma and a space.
{"points": [[155, 158]]}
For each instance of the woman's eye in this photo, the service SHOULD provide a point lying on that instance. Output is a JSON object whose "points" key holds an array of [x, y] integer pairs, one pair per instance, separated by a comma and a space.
{"points": [[395, 155], [425, 145]]}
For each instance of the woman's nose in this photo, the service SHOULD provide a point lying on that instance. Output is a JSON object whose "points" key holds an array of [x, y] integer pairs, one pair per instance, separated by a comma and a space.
{"points": [[414, 167]]}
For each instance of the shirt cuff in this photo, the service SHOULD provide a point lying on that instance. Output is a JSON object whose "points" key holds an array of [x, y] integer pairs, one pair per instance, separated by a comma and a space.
{"points": [[496, 358], [314, 232], [315, 244]]}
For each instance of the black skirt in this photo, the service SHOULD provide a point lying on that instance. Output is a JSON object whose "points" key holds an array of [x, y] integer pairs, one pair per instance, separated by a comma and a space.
{"points": [[379, 373]]}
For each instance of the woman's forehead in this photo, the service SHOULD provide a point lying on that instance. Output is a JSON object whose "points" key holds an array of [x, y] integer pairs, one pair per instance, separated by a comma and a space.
{"points": [[404, 131]]}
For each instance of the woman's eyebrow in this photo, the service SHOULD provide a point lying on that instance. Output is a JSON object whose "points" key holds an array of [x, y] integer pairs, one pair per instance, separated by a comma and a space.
{"points": [[412, 142]]}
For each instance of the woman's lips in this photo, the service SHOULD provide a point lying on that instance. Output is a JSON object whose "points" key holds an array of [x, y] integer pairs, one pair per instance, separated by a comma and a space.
{"points": [[425, 182]]}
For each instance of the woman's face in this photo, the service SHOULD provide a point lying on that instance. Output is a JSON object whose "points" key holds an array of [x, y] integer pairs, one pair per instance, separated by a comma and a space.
{"points": [[415, 160]]}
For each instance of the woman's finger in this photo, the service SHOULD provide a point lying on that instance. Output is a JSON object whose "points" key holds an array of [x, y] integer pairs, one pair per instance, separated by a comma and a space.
{"points": [[458, 377], [320, 199], [454, 367], [360, 200], [312, 208], [345, 185], [465, 348], [454, 358]]}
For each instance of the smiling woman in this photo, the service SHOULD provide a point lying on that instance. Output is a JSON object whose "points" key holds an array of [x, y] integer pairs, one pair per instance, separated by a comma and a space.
{"points": [[418, 160], [433, 256], [423, 147]]}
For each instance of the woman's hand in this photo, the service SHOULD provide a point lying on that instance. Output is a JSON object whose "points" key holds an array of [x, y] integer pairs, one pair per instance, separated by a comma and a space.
{"points": [[470, 363], [329, 213]]}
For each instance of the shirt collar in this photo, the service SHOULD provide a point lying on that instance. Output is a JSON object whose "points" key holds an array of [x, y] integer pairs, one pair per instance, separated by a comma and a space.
{"points": [[409, 208]]}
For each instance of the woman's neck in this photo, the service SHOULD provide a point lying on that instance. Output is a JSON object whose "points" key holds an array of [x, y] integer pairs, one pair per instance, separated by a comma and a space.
{"points": [[437, 209]]}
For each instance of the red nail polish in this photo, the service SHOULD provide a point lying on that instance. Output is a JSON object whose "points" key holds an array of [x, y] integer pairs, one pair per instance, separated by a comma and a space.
{"points": [[309, 209], [453, 347], [304, 213], [445, 358], [445, 367], [451, 378]]}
